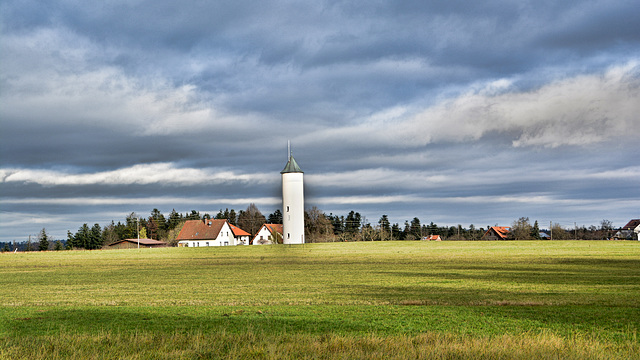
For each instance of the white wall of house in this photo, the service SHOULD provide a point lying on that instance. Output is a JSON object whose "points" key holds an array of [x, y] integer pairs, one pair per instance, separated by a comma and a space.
{"points": [[262, 237], [242, 240]]}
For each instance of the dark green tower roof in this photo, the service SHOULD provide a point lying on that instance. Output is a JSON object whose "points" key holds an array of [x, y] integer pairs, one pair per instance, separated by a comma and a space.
{"points": [[291, 167]]}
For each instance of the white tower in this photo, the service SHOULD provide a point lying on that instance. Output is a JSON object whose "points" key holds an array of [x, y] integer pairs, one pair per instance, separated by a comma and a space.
{"points": [[292, 203]]}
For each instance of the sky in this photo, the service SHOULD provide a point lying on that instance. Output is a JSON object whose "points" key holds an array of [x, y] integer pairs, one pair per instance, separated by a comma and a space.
{"points": [[455, 112]]}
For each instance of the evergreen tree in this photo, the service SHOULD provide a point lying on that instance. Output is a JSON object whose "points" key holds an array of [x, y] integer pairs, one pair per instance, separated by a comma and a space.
{"points": [[159, 220], [352, 223], [396, 234], [385, 227], [43, 244], [175, 218], [57, 246], [6, 247], [132, 226], [71, 241], [275, 217], [415, 228], [195, 215], [232, 217], [95, 238], [82, 237], [406, 232], [433, 229], [535, 231], [337, 222]]}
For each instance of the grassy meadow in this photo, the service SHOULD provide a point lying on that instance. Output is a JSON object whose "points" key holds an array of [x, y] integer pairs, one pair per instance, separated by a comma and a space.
{"points": [[422, 300]]}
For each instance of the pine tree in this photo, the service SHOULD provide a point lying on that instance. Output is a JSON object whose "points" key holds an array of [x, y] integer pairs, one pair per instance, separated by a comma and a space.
{"points": [[416, 228], [43, 244], [71, 240], [535, 231], [275, 217], [81, 238], [175, 218], [396, 234], [385, 227], [94, 238]]}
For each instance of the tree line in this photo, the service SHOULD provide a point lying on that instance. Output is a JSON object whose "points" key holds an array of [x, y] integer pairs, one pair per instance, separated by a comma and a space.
{"points": [[319, 227]]}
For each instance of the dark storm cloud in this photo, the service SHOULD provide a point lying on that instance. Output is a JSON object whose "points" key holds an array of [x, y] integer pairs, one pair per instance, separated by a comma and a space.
{"points": [[456, 111]]}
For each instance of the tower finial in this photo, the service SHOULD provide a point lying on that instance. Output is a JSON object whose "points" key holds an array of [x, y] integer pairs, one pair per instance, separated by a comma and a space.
{"points": [[289, 149]]}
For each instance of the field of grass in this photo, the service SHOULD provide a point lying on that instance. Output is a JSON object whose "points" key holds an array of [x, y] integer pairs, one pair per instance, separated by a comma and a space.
{"points": [[448, 300]]}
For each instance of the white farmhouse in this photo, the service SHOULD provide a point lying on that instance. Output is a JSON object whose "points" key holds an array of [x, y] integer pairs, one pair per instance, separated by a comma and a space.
{"points": [[209, 232]]}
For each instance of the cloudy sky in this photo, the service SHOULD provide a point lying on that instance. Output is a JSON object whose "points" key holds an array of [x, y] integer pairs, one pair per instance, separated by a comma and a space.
{"points": [[456, 112]]}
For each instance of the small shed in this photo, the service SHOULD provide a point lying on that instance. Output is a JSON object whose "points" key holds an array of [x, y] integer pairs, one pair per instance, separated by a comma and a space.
{"points": [[133, 244]]}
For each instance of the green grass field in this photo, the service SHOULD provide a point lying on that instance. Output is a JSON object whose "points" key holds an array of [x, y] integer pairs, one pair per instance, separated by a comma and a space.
{"points": [[399, 300]]}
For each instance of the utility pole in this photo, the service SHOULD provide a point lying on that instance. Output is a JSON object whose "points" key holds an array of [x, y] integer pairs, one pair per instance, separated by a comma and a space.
{"points": [[138, 230]]}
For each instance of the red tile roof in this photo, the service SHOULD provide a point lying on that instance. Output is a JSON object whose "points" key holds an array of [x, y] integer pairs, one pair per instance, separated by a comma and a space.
{"points": [[274, 227], [238, 232], [500, 231], [632, 224], [207, 229]]}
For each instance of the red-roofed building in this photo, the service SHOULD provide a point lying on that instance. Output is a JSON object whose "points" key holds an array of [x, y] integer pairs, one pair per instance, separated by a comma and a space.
{"points": [[631, 225], [263, 237], [432, 238], [497, 233], [631, 231], [209, 232], [242, 237]]}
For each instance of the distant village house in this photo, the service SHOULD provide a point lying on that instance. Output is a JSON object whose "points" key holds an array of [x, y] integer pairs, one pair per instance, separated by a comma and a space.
{"points": [[631, 231], [211, 232], [497, 233], [264, 235]]}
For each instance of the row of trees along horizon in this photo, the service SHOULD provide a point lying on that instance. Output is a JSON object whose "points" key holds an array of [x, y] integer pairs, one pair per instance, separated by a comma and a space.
{"points": [[319, 227]]}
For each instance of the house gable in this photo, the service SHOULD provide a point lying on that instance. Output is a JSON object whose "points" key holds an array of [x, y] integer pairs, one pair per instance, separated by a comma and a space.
{"points": [[262, 237], [497, 233]]}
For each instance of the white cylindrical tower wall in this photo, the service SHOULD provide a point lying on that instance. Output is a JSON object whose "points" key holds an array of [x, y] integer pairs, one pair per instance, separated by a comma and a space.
{"points": [[293, 207]]}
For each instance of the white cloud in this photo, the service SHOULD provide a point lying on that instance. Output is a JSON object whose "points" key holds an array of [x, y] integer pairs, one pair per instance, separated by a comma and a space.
{"points": [[582, 110], [143, 174], [143, 201]]}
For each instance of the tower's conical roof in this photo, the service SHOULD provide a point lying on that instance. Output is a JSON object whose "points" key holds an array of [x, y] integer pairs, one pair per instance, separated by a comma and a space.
{"points": [[291, 167]]}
